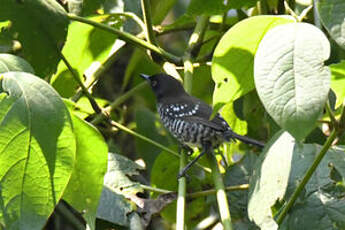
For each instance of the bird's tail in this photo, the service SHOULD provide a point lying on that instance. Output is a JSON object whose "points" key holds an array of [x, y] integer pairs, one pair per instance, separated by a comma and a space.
{"points": [[232, 135]]}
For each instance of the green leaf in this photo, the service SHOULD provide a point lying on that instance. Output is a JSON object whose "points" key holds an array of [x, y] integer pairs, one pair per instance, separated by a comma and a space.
{"points": [[160, 10], [238, 174], [338, 81], [9, 62], [290, 77], [82, 48], [320, 212], [86, 183], [238, 4], [42, 28], [237, 125], [113, 205], [332, 14], [322, 201], [199, 7], [37, 148], [270, 179], [233, 59], [278, 172]]}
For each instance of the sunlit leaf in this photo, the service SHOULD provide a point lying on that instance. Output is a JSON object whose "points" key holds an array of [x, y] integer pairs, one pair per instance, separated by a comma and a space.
{"points": [[290, 77], [42, 28], [86, 183], [37, 151], [9, 62], [332, 14]]}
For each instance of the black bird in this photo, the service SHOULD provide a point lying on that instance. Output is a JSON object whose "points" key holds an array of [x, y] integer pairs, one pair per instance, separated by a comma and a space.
{"points": [[188, 118]]}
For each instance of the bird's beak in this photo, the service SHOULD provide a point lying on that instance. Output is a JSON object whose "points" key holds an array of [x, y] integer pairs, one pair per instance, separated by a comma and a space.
{"points": [[146, 77]]}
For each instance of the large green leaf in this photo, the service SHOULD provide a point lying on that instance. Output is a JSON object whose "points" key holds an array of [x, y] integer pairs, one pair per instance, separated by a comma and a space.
{"points": [[322, 201], [86, 183], [85, 45], [270, 179], [238, 4], [237, 174], [290, 76], [277, 174], [113, 205], [332, 14], [42, 28], [199, 7], [233, 59], [37, 151], [9, 62], [338, 81]]}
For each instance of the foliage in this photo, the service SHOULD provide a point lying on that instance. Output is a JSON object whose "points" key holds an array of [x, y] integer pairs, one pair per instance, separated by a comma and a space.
{"points": [[82, 147]]}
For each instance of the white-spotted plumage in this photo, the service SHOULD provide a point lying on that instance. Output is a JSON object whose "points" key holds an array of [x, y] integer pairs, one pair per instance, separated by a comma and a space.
{"points": [[176, 118]]}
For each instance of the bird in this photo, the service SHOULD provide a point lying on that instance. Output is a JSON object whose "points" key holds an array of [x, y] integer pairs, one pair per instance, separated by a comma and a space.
{"points": [[189, 119]]}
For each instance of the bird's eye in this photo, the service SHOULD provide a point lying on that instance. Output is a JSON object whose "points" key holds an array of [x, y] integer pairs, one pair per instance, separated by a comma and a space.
{"points": [[154, 83]]}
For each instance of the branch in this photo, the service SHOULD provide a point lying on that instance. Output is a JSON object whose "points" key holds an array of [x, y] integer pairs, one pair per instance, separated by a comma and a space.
{"points": [[181, 197], [222, 200], [129, 38], [146, 8]]}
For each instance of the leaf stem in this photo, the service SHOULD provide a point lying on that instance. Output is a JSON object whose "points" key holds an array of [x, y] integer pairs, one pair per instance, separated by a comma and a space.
{"points": [[290, 11], [220, 193], [129, 38], [307, 176]]}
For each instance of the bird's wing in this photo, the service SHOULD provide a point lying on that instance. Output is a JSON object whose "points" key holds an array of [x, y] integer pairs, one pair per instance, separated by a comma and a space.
{"points": [[195, 110]]}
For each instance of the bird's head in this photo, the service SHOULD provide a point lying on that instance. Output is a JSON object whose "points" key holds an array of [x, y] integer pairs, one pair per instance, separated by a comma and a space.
{"points": [[164, 85]]}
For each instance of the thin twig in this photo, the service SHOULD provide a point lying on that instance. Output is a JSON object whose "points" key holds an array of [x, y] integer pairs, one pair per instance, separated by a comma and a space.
{"points": [[213, 191], [99, 117], [133, 16], [93, 103], [152, 189]]}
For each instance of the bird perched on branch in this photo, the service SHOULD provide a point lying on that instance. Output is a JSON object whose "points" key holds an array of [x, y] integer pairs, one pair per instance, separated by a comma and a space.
{"points": [[188, 118]]}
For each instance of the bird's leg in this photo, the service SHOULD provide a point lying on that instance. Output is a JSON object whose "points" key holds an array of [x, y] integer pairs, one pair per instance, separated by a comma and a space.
{"points": [[225, 162], [206, 148]]}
